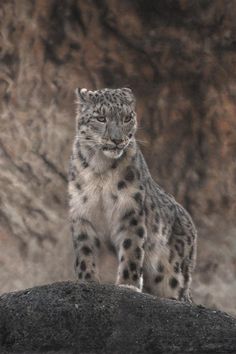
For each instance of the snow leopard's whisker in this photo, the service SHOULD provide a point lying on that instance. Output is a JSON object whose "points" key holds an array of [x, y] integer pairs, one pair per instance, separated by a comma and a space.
{"points": [[84, 140], [142, 142]]}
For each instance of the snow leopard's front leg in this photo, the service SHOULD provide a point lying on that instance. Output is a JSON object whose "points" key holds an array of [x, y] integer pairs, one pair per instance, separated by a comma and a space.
{"points": [[86, 246], [130, 243]]}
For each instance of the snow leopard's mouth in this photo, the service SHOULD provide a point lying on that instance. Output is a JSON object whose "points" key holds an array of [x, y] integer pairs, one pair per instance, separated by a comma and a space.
{"points": [[113, 151], [112, 148]]}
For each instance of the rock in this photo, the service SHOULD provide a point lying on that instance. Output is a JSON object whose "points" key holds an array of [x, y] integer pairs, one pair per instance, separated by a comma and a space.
{"points": [[68, 317]]}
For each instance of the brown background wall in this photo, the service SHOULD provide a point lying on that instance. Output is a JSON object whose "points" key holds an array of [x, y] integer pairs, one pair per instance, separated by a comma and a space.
{"points": [[179, 57]]}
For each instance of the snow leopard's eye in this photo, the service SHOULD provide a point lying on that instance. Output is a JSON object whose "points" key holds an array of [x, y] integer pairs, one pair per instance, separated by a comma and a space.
{"points": [[101, 119], [128, 118]]}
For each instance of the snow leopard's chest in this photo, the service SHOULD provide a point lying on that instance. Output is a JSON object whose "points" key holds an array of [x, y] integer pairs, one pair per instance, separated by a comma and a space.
{"points": [[94, 198]]}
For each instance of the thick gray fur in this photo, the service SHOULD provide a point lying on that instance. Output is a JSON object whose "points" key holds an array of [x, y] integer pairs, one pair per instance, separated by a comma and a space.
{"points": [[126, 229]]}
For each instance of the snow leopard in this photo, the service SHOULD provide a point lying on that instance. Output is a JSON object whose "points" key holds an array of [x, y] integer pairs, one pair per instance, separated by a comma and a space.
{"points": [[126, 229]]}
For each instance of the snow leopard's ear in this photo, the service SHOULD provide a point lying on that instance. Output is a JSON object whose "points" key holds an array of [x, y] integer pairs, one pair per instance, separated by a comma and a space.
{"points": [[83, 95], [129, 95], [128, 90]]}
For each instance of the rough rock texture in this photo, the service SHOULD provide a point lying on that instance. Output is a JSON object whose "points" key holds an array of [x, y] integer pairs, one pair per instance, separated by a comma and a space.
{"points": [[81, 318], [179, 58]]}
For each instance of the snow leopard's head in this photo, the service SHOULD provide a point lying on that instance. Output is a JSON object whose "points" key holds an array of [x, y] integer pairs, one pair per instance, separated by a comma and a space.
{"points": [[106, 119]]}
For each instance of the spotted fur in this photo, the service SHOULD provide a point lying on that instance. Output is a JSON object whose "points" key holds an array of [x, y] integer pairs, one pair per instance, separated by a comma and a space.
{"points": [[126, 229]]}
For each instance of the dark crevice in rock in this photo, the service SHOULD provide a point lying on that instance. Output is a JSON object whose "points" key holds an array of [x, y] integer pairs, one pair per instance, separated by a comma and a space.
{"points": [[52, 167]]}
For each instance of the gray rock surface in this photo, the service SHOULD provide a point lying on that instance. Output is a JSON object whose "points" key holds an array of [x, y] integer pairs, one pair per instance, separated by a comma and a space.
{"points": [[68, 317]]}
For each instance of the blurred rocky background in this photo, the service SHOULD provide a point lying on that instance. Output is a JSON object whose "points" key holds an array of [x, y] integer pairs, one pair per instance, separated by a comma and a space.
{"points": [[179, 57]]}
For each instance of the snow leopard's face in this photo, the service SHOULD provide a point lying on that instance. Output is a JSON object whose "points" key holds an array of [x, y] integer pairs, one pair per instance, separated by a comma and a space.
{"points": [[106, 119]]}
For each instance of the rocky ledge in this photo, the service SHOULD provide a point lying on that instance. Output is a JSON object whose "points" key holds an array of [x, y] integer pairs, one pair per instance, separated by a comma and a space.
{"points": [[68, 317]]}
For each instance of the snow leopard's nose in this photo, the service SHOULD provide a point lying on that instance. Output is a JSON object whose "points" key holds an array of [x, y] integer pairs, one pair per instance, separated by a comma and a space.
{"points": [[117, 141]]}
